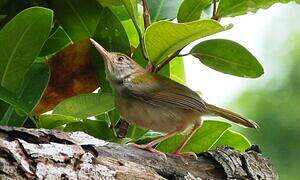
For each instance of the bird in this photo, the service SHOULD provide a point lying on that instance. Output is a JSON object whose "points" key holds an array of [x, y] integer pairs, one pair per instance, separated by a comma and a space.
{"points": [[158, 103]]}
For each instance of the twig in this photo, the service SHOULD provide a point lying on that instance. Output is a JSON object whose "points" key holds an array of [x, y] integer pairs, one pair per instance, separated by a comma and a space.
{"points": [[146, 14], [159, 67], [214, 16]]}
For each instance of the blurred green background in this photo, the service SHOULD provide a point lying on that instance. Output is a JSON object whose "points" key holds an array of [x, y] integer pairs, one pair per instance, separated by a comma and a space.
{"points": [[273, 100], [275, 103]]}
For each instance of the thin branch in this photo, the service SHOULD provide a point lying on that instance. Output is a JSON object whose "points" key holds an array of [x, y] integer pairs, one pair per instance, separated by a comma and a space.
{"points": [[214, 16], [146, 14], [159, 67]]}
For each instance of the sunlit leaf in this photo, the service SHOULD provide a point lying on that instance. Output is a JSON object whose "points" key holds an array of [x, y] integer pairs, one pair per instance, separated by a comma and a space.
{"points": [[177, 72], [233, 139], [86, 105], [228, 57], [202, 140], [24, 37], [190, 10], [164, 38], [51, 121], [135, 132], [239, 7]]}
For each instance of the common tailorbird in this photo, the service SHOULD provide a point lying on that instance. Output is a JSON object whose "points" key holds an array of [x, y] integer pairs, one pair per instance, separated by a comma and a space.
{"points": [[155, 102]]}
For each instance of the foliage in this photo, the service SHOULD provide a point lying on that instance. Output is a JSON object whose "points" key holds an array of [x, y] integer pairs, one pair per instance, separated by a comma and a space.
{"points": [[33, 41]]}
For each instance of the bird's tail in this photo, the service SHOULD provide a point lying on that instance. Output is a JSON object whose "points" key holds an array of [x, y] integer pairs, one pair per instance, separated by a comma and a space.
{"points": [[214, 110]]}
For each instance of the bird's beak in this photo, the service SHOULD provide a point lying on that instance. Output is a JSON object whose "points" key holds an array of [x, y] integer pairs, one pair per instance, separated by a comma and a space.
{"points": [[106, 55]]}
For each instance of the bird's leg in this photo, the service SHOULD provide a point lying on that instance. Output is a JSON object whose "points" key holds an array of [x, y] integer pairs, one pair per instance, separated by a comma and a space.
{"points": [[178, 152], [150, 145]]}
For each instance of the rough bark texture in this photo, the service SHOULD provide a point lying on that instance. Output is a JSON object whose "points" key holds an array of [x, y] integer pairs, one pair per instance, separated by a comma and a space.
{"points": [[45, 154]]}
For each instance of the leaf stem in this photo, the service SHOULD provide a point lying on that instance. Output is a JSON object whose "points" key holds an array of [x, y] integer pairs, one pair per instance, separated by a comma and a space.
{"points": [[160, 66], [146, 14], [214, 16]]}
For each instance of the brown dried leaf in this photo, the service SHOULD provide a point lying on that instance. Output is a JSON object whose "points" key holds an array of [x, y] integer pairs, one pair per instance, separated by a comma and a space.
{"points": [[72, 73]]}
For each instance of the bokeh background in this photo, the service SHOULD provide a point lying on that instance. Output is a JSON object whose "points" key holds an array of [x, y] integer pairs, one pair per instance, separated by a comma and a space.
{"points": [[273, 100]]}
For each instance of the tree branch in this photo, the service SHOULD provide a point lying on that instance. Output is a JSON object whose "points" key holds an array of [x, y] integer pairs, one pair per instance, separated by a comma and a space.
{"points": [[45, 154]]}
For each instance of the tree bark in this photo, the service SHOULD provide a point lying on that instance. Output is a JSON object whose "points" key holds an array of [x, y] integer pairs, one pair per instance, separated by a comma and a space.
{"points": [[47, 154]]}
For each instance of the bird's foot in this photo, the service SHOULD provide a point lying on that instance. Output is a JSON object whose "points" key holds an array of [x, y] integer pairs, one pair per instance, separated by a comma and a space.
{"points": [[185, 154], [149, 147]]}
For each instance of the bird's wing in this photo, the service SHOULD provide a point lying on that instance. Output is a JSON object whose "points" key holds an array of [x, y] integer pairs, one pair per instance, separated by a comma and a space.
{"points": [[156, 89]]}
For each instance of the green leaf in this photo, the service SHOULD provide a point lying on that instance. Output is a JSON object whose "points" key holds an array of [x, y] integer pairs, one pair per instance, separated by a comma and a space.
{"points": [[56, 42], [74, 126], [131, 32], [24, 37], [51, 121], [32, 89], [164, 38], [233, 139], [135, 132], [202, 140], [228, 57], [120, 12], [110, 2], [163, 9], [132, 9], [34, 85], [114, 117], [98, 129], [190, 10], [78, 18], [233, 8], [12, 98], [177, 72], [112, 36], [86, 105]]}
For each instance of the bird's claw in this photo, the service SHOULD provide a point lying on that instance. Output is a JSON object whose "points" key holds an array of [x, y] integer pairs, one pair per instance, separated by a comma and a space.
{"points": [[149, 148]]}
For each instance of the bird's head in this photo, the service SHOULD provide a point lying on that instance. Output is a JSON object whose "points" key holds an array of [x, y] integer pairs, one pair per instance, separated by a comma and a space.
{"points": [[118, 66]]}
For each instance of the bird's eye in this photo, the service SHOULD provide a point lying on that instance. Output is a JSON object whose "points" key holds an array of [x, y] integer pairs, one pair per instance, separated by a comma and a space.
{"points": [[120, 58]]}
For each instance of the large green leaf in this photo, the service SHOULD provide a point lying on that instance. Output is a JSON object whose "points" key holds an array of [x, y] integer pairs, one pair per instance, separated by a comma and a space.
{"points": [[132, 9], [233, 139], [32, 89], [190, 10], [228, 57], [98, 129], [110, 2], [51, 121], [164, 38], [11, 98], [111, 33], [78, 18], [163, 9], [202, 140], [24, 37], [86, 105], [177, 72], [112, 36], [233, 8], [131, 32], [57, 41]]}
